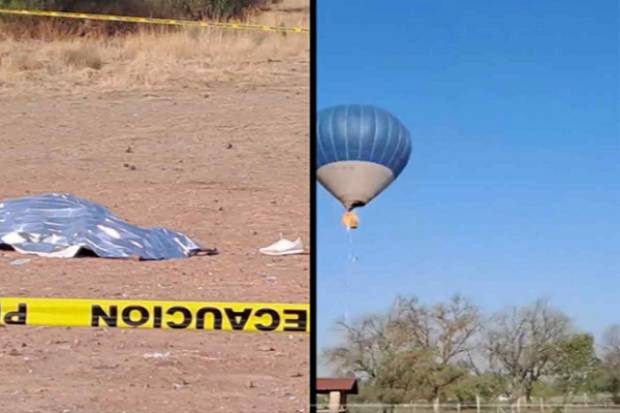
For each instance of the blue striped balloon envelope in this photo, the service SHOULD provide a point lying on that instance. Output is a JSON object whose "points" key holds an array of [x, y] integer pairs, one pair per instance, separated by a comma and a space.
{"points": [[361, 150]]}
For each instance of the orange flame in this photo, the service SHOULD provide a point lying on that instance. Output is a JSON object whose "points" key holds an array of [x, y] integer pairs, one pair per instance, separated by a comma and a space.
{"points": [[350, 220]]}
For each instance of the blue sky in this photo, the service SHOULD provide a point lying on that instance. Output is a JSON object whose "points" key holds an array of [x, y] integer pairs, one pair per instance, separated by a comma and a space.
{"points": [[513, 189]]}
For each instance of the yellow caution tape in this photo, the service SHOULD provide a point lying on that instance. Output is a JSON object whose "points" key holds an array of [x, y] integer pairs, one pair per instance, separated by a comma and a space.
{"points": [[185, 315], [151, 20]]}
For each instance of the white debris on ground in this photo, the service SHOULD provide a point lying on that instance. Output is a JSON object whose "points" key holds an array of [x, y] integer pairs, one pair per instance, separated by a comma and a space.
{"points": [[284, 247], [20, 261], [156, 355]]}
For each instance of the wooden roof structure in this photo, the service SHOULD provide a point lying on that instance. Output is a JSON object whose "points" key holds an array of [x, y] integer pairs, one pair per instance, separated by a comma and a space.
{"points": [[345, 385]]}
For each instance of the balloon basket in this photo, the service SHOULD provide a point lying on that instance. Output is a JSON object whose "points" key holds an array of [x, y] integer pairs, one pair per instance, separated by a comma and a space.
{"points": [[350, 220]]}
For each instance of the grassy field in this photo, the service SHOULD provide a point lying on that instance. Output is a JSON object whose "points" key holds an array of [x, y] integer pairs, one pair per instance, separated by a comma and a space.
{"points": [[150, 58]]}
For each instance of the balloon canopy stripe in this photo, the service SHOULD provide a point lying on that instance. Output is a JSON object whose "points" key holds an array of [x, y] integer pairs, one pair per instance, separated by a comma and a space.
{"points": [[362, 133]]}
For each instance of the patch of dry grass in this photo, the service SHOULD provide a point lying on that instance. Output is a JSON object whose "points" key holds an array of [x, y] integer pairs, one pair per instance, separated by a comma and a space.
{"points": [[81, 56], [153, 58]]}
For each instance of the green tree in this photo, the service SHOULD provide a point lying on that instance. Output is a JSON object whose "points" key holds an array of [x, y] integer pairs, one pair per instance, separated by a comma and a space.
{"points": [[611, 361], [523, 344], [576, 366], [412, 352], [367, 345], [486, 385]]}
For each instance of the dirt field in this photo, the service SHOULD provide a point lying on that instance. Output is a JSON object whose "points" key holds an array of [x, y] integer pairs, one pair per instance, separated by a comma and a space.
{"points": [[221, 158]]}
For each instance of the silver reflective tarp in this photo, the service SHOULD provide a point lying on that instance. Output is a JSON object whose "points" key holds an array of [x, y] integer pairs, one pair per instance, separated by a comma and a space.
{"points": [[62, 225]]}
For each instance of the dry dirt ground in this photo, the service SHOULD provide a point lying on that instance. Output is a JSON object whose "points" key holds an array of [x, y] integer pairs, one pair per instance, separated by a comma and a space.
{"points": [[224, 160]]}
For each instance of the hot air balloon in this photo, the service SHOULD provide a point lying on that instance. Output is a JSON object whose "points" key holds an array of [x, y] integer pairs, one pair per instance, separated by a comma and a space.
{"points": [[361, 150]]}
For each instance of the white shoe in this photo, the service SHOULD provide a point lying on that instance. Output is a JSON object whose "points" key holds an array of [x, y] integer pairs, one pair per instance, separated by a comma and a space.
{"points": [[284, 247]]}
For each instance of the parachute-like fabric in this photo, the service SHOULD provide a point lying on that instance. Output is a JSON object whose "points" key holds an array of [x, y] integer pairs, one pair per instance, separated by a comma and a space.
{"points": [[60, 225], [361, 150]]}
